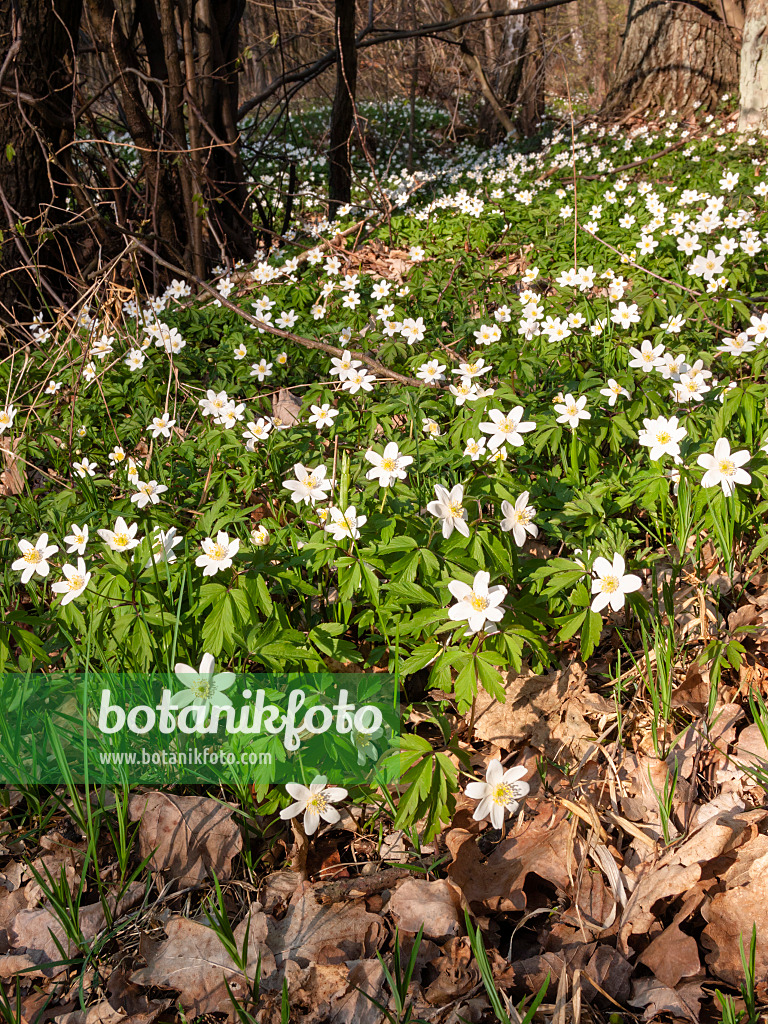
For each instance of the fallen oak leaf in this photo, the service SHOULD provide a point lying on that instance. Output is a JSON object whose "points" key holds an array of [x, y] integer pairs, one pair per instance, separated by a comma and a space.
{"points": [[312, 932], [193, 961], [435, 906], [187, 838]]}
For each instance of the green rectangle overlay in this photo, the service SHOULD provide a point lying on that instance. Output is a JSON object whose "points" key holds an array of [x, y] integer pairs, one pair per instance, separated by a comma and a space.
{"points": [[154, 730]]}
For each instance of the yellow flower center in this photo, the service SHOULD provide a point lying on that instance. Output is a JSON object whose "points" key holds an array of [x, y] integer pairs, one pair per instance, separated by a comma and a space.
{"points": [[310, 482], [317, 802], [33, 557], [572, 410], [478, 602], [118, 456], [726, 467], [76, 582], [456, 510], [522, 517], [609, 584], [219, 552], [201, 688], [389, 464], [503, 793], [120, 540], [79, 538], [663, 437], [4, 417]]}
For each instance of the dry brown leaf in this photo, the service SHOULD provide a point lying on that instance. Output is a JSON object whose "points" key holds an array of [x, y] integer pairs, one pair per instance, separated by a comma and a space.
{"points": [[671, 956], [656, 998], [731, 914], [531, 701], [188, 837], [285, 408], [313, 932], [680, 869], [456, 973], [353, 1007], [13, 476], [541, 847], [42, 936], [435, 905], [277, 889], [99, 1013], [193, 962]]}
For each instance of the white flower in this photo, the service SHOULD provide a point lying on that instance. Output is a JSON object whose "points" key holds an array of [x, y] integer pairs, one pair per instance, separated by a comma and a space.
{"points": [[260, 536], [464, 391], [572, 410], [613, 390], [517, 518], [344, 525], [671, 366], [323, 415], [217, 554], [724, 467], [500, 791], [474, 449], [357, 379], [625, 315], [646, 358], [286, 320], [474, 369], [203, 688], [258, 431], [478, 603], [161, 425], [148, 492], [611, 584], [674, 325], [758, 327], [214, 404], [506, 428], [261, 369], [122, 538], [487, 335], [74, 583], [34, 557], [85, 468], [315, 802], [6, 417], [413, 330], [708, 266], [738, 346], [310, 485], [431, 372], [663, 437], [388, 466], [76, 540], [449, 509], [431, 427], [162, 546]]}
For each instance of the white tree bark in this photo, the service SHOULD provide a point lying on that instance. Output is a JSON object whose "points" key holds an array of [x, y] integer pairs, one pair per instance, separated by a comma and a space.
{"points": [[753, 103]]}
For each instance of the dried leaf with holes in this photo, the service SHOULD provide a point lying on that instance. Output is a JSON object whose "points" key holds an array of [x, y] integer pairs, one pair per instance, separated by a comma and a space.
{"points": [[188, 838]]}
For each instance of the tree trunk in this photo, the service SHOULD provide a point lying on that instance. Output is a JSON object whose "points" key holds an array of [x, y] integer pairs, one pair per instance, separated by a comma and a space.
{"points": [[532, 85], [601, 50], [507, 75], [36, 69], [574, 25], [674, 55], [343, 112], [753, 92]]}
